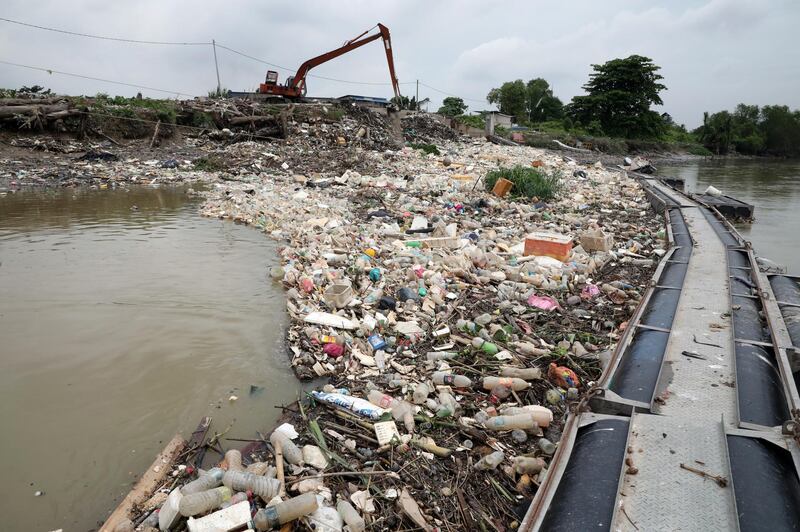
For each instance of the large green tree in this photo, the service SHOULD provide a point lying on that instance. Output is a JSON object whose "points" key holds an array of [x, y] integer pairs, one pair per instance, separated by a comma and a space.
{"points": [[619, 95], [527, 102], [771, 130], [452, 107]]}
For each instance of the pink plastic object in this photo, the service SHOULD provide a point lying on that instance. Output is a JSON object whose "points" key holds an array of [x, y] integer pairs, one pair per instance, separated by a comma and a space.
{"points": [[590, 291], [333, 350], [542, 302]]}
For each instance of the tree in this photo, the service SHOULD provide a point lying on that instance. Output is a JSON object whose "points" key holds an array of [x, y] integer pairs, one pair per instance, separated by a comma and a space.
{"points": [[404, 102], [781, 129], [526, 102], [452, 107], [619, 95], [716, 132]]}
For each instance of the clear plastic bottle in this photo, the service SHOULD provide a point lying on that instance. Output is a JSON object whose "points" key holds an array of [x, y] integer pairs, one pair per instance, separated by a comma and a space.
{"points": [[291, 453], [457, 381], [520, 421], [211, 479], [528, 374], [433, 356], [236, 498], [542, 414], [264, 487], [233, 458], [272, 516], [447, 404], [326, 519], [525, 465], [169, 512], [510, 382], [490, 461], [547, 446], [487, 347], [204, 501], [351, 516], [401, 411], [421, 392]]}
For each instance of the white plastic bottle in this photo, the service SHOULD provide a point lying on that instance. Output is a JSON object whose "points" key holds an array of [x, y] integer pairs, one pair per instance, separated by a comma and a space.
{"points": [[401, 411], [281, 513], [169, 513], [457, 381], [211, 479], [351, 516], [291, 453], [258, 468], [542, 414], [526, 465], [509, 382], [528, 374], [204, 501], [233, 457], [490, 461], [421, 392], [520, 421], [264, 487]]}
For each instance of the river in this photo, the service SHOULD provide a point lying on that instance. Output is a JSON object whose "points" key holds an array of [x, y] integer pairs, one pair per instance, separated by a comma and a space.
{"points": [[772, 185], [125, 317]]}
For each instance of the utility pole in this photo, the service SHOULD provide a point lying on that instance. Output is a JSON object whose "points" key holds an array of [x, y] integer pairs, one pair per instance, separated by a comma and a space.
{"points": [[416, 104], [216, 65]]}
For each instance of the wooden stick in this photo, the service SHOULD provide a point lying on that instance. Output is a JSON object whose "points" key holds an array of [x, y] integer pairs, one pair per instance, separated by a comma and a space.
{"points": [[279, 465], [155, 134]]}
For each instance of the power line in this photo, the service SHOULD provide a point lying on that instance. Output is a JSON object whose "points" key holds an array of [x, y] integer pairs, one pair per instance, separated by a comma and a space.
{"points": [[102, 37], [134, 85], [451, 94]]}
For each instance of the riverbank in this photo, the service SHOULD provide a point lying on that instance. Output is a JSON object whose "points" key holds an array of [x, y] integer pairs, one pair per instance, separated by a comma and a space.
{"points": [[442, 299]]}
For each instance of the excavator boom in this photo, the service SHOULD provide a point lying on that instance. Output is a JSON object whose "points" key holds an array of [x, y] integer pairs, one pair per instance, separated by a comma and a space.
{"points": [[296, 85]]}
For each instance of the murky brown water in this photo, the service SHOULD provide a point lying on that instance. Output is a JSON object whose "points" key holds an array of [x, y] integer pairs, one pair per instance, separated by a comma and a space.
{"points": [[772, 185], [118, 328]]}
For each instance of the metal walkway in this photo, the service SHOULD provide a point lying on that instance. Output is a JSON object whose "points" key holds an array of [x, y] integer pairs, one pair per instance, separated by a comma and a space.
{"points": [[695, 423]]}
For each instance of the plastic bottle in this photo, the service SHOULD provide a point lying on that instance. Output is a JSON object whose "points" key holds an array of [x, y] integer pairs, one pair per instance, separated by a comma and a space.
{"points": [[327, 338], [527, 348], [291, 453], [421, 392], [236, 498], [457, 381], [433, 356], [204, 501], [447, 404], [326, 519], [401, 411], [519, 436], [233, 457], [499, 393], [350, 516], [272, 516], [520, 421], [490, 461], [528, 374], [211, 479], [487, 347], [542, 414], [547, 446], [264, 487], [168, 514], [525, 465], [511, 382]]}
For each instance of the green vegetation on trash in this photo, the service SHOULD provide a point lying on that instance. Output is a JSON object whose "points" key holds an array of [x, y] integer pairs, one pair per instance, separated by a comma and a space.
{"points": [[528, 182], [427, 148], [472, 120], [164, 110], [210, 163]]}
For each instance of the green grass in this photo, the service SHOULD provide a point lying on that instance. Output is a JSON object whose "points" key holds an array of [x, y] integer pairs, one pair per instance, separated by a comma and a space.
{"points": [[698, 149], [528, 182], [476, 121], [427, 148]]}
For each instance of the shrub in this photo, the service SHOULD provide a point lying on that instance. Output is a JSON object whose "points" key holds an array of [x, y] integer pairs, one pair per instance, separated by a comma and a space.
{"points": [[427, 148], [698, 149], [528, 182]]}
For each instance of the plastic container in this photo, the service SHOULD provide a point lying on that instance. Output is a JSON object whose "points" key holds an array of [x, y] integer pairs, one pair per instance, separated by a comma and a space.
{"points": [[449, 379], [542, 414], [553, 245], [211, 479], [350, 516], [502, 187], [264, 487], [498, 394], [236, 498], [528, 374], [272, 516], [204, 501], [169, 513], [326, 519], [338, 295], [433, 356], [490, 461], [233, 458], [291, 453], [520, 421], [447, 404], [525, 465], [401, 411], [421, 392], [547, 446], [510, 382]]}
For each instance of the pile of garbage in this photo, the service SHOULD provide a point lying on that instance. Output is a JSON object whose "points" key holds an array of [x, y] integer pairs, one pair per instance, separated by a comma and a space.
{"points": [[427, 128], [455, 329]]}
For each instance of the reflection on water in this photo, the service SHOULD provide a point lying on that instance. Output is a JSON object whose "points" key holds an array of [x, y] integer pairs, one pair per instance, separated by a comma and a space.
{"points": [[124, 317], [772, 185]]}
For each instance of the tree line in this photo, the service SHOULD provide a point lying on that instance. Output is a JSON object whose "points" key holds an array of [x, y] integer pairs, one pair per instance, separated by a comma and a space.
{"points": [[618, 103]]}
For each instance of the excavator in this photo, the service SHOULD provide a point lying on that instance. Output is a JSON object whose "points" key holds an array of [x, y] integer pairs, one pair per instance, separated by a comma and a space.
{"points": [[295, 86]]}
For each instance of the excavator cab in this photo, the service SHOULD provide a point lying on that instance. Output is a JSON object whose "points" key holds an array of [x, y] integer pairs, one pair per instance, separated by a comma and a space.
{"points": [[272, 78]]}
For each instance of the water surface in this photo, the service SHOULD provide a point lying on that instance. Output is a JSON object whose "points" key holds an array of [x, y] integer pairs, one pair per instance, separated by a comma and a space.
{"points": [[124, 318], [772, 185]]}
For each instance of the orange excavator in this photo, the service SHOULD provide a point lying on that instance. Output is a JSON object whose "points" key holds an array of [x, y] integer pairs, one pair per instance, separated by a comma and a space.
{"points": [[296, 87]]}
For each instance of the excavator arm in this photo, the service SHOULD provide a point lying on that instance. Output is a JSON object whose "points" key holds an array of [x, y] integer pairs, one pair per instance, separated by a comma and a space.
{"points": [[297, 84]]}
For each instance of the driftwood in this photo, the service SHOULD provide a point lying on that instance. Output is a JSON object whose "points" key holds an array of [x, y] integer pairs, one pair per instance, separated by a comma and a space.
{"points": [[29, 101], [245, 120], [565, 147], [10, 111]]}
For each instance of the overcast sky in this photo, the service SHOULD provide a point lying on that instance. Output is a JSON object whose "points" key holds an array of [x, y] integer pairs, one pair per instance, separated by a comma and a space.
{"points": [[713, 53]]}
